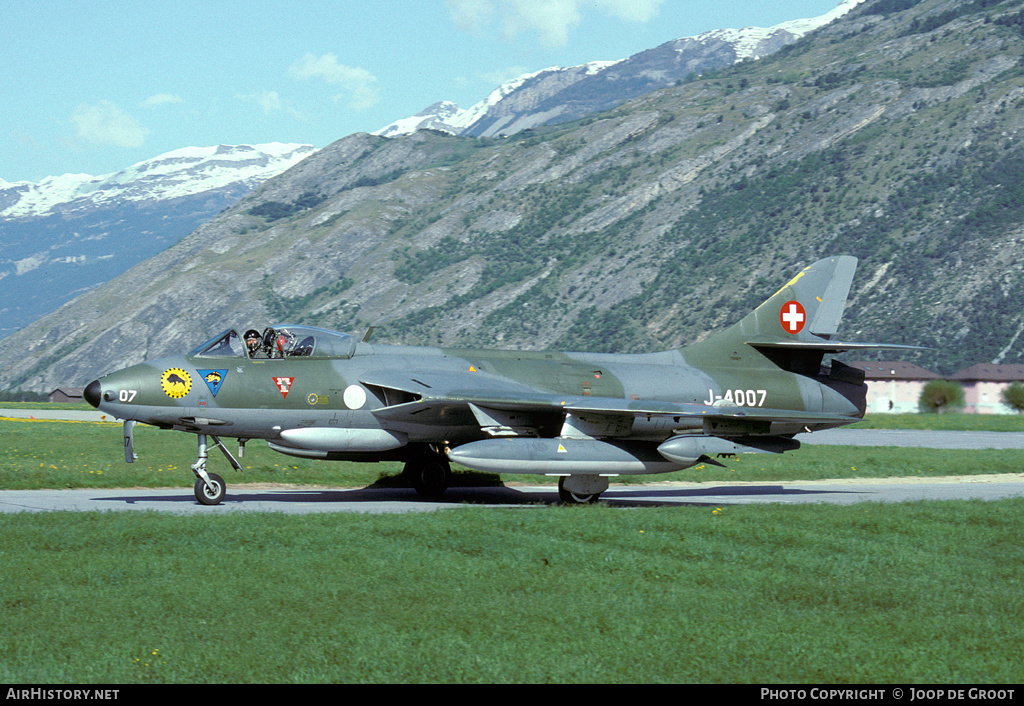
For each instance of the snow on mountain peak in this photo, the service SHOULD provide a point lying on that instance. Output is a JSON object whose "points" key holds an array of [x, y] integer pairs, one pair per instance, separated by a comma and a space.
{"points": [[748, 42], [181, 172]]}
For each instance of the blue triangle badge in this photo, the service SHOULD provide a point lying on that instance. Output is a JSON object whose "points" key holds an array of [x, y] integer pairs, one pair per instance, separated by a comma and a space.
{"points": [[214, 379]]}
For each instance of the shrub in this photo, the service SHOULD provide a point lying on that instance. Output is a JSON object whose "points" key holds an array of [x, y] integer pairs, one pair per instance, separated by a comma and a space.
{"points": [[1013, 396], [941, 395]]}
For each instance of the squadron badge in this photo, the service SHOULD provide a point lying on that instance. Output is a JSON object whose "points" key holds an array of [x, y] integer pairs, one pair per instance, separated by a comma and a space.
{"points": [[176, 383], [214, 379], [284, 385]]}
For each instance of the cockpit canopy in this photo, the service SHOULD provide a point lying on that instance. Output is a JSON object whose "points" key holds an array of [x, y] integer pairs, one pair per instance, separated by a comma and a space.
{"points": [[279, 341]]}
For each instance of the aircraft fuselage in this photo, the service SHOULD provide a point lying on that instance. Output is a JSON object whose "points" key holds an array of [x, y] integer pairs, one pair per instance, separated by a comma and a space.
{"points": [[581, 416], [260, 398]]}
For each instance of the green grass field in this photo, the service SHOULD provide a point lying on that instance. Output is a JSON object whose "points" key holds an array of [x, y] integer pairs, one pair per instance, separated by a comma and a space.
{"points": [[43, 454], [951, 421], [923, 592], [911, 593]]}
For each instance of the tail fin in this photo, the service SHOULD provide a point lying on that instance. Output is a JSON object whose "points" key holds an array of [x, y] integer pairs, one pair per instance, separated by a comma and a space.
{"points": [[794, 327], [793, 331], [808, 308]]}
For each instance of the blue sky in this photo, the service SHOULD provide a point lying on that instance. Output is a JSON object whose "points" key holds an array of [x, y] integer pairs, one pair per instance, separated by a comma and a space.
{"points": [[93, 86]]}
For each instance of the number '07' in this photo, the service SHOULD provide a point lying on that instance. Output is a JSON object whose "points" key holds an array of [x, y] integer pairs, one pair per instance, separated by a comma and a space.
{"points": [[126, 395]]}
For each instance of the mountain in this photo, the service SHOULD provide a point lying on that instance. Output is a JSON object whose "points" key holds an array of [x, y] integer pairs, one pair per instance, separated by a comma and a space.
{"points": [[67, 234], [893, 134], [558, 95]]}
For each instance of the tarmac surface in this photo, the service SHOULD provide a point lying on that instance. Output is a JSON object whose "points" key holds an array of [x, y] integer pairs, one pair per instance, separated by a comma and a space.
{"points": [[304, 500], [916, 438]]}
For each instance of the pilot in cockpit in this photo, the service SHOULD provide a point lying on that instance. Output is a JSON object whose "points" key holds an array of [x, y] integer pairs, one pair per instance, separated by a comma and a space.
{"points": [[281, 342], [252, 343], [276, 344]]}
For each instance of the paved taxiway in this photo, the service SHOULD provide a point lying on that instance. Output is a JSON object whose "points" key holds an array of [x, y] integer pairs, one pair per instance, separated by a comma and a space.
{"points": [[302, 501], [916, 438], [252, 498]]}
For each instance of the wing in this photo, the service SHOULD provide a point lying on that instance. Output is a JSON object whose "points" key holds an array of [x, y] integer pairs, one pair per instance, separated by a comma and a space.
{"points": [[461, 399], [502, 407], [643, 408]]}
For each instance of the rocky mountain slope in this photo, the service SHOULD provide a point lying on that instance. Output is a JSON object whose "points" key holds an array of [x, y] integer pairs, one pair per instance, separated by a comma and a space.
{"points": [[67, 234], [893, 134], [559, 94]]}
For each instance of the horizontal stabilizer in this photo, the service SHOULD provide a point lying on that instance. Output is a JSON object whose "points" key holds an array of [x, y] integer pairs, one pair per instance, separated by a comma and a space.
{"points": [[826, 346]]}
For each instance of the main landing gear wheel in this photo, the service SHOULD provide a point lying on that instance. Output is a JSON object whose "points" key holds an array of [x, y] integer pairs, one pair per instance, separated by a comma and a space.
{"points": [[429, 473], [210, 493], [573, 496]]}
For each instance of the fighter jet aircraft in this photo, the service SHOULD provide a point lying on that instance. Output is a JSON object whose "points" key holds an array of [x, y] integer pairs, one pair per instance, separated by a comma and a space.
{"points": [[583, 417]]}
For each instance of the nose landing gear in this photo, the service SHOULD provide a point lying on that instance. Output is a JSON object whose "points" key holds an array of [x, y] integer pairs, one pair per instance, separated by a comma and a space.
{"points": [[210, 488]]}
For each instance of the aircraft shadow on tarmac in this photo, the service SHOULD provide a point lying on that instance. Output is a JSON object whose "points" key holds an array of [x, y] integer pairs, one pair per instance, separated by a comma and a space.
{"points": [[690, 496], [307, 496], [490, 496]]}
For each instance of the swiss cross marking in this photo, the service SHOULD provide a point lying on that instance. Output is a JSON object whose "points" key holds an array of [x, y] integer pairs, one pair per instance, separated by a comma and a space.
{"points": [[792, 316]]}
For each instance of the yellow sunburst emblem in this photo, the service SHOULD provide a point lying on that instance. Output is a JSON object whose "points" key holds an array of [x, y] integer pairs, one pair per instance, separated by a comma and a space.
{"points": [[176, 382]]}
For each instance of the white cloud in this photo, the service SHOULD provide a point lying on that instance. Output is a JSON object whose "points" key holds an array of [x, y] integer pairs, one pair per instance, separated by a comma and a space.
{"points": [[631, 10], [552, 20], [162, 99], [272, 102], [360, 85], [471, 15], [269, 101], [106, 124], [496, 78]]}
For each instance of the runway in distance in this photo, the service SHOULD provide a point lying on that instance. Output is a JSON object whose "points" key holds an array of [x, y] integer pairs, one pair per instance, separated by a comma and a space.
{"points": [[584, 417]]}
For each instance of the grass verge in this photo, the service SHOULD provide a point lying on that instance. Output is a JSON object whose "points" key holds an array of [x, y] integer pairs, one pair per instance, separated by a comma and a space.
{"points": [[46, 454], [910, 593], [926, 592], [950, 421]]}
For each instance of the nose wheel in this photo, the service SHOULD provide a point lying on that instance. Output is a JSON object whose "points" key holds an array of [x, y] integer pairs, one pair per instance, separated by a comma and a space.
{"points": [[210, 488]]}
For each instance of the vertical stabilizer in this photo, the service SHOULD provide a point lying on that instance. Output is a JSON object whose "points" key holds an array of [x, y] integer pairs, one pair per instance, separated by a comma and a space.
{"points": [[810, 305], [804, 313], [826, 320]]}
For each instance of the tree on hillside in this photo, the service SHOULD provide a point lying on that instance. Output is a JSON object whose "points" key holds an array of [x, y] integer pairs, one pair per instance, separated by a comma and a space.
{"points": [[941, 395]]}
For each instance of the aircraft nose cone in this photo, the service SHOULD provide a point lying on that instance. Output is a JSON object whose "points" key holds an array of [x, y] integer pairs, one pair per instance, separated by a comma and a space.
{"points": [[93, 393]]}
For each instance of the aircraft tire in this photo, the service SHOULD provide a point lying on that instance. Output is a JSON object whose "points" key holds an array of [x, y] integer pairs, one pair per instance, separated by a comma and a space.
{"points": [[204, 494], [570, 498], [429, 474]]}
